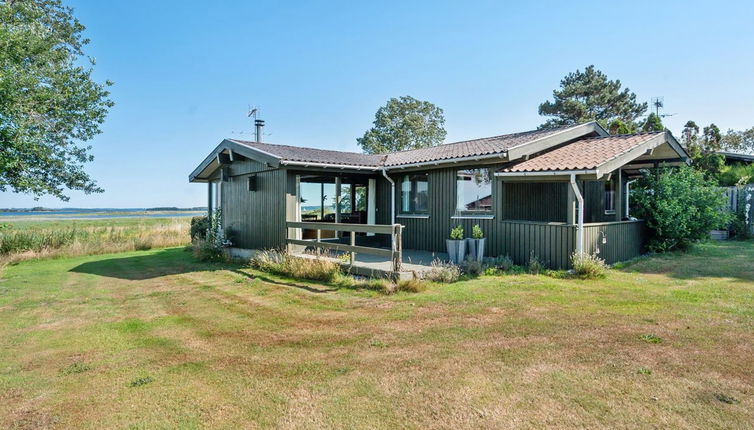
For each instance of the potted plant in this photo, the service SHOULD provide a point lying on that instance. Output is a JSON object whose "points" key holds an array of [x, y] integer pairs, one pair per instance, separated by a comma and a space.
{"points": [[476, 243], [456, 245]]}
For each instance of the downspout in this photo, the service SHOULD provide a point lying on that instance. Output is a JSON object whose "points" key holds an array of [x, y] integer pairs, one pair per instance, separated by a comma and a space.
{"points": [[580, 228], [392, 196]]}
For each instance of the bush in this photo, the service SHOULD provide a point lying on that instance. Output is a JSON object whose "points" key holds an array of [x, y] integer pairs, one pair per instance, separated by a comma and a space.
{"points": [[502, 263], [472, 267], [443, 272], [205, 250], [411, 285], [535, 265], [588, 266], [315, 269], [199, 227], [680, 207]]}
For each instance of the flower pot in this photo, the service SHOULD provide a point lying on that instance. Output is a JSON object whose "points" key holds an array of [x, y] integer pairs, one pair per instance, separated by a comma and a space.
{"points": [[456, 250], [476, 249]]}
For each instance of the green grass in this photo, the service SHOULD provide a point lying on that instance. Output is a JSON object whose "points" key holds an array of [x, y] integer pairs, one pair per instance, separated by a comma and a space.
{"points": [[154, 339], [25, 240]]}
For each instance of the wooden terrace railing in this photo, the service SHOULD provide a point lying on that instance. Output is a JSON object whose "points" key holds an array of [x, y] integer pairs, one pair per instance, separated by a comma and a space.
{"points": [[395, 253]]}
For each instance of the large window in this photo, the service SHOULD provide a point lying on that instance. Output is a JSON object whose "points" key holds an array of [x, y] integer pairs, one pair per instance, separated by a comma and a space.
{"points": [[414, 193], [474, 191], [610, 197]]}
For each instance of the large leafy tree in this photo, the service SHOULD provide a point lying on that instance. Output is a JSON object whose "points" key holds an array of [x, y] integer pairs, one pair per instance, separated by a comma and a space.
{"points": [[49, 103], [590, 95], [680, 207], [404, 123]]}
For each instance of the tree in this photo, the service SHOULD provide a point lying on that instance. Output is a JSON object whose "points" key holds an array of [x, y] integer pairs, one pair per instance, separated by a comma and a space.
{"points": [[404, 123], [704, 149], [680, 207], [739, 141], [653, 123], [589, 95], [49, 103]]}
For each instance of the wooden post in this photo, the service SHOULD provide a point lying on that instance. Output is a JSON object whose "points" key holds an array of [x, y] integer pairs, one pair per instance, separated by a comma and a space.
{"points": [[353, 243], [319, 237], [337, 205], [618, 197], [397, 247]]}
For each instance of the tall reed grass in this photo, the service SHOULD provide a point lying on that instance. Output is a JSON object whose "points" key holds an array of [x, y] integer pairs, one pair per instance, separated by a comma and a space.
{"points": [[42, 240]]}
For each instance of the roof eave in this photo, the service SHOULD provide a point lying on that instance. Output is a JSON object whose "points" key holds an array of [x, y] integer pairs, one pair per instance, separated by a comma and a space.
{"points": [[206, 168]]}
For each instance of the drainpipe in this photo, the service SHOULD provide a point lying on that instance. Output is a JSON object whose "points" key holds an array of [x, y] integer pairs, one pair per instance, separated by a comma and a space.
{"points": [[392, 196], [580, 228]]}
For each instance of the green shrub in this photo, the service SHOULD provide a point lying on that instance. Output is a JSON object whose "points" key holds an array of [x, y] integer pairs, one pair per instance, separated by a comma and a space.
{"points": [[456, 233], [680, 207], [535, 266], [472, 267], [502, 263], [442, 272], [477, 232], [207, 251], [588, 266], [199, 227], [411, 285]]}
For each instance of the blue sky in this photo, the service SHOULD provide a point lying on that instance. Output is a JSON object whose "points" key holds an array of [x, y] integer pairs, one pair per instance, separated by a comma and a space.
{"points": [[186, 71]]}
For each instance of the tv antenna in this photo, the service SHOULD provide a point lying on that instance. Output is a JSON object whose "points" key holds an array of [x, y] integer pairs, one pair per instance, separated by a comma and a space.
{"points": [[659, 103], [254, 112]]}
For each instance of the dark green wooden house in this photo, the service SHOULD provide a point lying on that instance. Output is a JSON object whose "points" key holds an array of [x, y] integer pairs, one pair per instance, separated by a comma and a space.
{"points": [[545, 192]]}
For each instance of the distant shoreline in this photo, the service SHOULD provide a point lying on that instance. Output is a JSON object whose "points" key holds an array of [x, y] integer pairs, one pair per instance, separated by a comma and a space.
{"points": [[89, 214]]}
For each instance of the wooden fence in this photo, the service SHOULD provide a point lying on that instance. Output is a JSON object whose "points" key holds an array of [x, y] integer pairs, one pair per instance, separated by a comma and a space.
{"points": [[395, 253], [740, 200]]}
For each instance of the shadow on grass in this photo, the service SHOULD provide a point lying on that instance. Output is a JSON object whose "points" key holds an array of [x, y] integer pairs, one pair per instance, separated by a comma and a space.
{"points": [[172, 261], [713, 259], [309, 288]]}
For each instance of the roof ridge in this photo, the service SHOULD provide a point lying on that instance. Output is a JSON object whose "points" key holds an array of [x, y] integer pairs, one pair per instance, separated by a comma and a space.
{"points": [[302, 147]]}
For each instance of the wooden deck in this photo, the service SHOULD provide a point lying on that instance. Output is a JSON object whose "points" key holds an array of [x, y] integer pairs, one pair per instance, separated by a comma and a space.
{"points": [[414, 263]]}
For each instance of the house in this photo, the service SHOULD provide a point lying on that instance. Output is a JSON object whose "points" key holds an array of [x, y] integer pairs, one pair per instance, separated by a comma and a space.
{"points": [[543, 192], [733, 158]]}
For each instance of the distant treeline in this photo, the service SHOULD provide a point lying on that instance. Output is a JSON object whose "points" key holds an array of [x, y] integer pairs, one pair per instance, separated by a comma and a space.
{"points": [[197, 208], [41, 209]]}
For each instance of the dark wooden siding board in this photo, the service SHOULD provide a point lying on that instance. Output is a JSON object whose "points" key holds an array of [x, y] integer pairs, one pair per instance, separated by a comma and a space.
{"points": [[256, 220], [624, 240], [534, 201]]}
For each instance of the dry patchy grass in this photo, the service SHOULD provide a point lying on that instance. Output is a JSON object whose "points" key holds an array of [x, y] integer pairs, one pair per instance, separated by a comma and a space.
{"points": [[153, 340]]}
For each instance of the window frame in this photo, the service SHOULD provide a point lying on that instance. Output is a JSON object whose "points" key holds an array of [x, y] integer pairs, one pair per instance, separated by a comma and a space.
{"points": [[475, 212], [609, 188], [413, 194]]}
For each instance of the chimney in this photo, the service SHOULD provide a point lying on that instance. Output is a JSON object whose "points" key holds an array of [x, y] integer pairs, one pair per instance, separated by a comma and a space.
{"points": [[259, 123]]}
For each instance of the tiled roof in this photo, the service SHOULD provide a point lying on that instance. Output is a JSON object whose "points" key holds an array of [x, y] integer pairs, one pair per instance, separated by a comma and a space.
{"points": [[448, 151], [583, 154], [313, 155], [468, 148]]}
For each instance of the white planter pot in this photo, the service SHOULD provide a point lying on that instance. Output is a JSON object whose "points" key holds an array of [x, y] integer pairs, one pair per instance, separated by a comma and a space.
{"points": [[456, 250], [476, 249]]}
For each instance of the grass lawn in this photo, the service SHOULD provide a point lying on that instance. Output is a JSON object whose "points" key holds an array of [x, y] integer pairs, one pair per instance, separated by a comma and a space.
{"points": [[154, 340]]}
